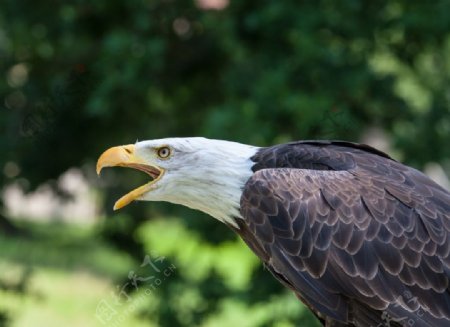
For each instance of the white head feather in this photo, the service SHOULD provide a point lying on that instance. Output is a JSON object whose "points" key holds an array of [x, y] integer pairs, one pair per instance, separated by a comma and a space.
{"points": [[203, 174]]}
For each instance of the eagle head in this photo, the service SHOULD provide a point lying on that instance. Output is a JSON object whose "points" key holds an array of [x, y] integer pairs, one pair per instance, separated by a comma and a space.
{"points": [[200, 173]]}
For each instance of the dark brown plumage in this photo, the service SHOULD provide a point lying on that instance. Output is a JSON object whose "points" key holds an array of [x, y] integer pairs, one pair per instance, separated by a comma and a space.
{"points": [[363, 240]]}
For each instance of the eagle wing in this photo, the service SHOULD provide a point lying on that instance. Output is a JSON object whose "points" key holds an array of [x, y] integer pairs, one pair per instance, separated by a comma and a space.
{"points": [[355, 248]]}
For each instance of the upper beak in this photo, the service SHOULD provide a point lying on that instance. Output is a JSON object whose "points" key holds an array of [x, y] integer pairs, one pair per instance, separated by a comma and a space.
{"points": [[125, 156]]}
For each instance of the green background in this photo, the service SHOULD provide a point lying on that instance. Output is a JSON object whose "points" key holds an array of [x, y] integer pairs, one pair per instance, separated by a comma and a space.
{"points": [[80, 76]]}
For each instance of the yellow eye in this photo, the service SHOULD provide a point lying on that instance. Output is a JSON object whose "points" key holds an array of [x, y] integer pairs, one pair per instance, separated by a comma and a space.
{"points": [[164, 152]]}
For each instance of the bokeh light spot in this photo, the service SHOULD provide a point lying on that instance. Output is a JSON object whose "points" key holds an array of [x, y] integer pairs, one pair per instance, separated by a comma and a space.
{"points": [[11, 169], [15, 100], [212, 4], [181, 26], [17, 75]]}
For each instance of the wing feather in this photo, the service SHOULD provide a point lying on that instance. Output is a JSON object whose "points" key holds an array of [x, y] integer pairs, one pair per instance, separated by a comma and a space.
{"points": [[344, 240]]}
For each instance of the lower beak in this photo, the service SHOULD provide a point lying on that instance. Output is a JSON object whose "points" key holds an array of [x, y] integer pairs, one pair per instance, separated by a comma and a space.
{"points": [[124, 156]]}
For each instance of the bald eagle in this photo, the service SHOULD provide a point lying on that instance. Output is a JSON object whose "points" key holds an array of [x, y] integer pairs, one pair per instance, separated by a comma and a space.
{"points": [[360, 238]]}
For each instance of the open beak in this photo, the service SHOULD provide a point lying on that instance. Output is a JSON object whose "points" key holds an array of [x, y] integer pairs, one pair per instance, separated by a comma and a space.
{"points": [[124, 156]]}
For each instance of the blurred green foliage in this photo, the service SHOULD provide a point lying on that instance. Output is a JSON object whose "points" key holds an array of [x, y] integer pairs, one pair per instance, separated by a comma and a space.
{"points": [[81, 76], [58, 276]]}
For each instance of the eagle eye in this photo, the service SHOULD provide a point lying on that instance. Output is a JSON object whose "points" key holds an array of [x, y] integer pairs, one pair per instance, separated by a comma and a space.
{"points": [[164, 152]]}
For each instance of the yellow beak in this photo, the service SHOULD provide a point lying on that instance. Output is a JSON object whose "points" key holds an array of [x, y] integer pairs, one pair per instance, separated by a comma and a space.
{"points": [[124, 156]]}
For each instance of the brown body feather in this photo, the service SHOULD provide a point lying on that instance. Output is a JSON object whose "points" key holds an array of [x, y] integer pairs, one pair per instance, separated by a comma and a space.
{"points": [[361, 239]]}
